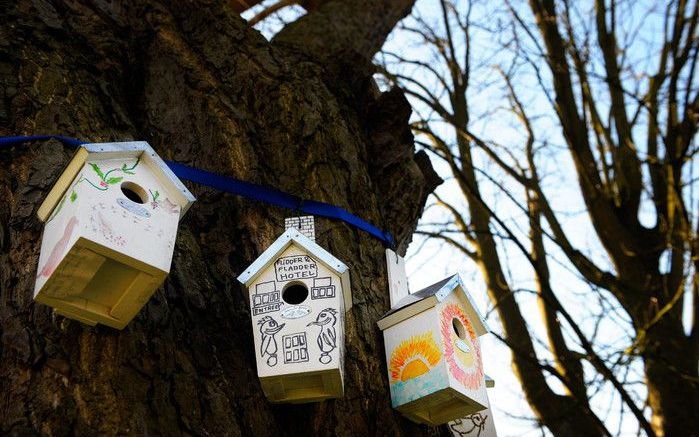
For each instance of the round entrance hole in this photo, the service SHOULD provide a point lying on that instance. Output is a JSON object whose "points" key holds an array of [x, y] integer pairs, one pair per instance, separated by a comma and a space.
{"points": [[134, 192], [459, 328], [295, 293]]}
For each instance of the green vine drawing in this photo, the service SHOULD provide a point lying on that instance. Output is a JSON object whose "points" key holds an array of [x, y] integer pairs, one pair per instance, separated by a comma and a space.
{"points": [[156, 202], [105, 180], [155, 195], [57, 209]]}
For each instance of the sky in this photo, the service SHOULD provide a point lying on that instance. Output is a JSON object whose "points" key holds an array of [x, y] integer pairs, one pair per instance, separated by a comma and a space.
{"points": [[429, 261]]}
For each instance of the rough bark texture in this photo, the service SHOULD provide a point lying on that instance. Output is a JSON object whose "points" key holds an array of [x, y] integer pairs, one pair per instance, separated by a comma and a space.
{"points": [[192, 79]]}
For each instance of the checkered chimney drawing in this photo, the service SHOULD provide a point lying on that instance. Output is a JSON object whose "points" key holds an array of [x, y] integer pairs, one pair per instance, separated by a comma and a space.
{"points": [[305, 224]]}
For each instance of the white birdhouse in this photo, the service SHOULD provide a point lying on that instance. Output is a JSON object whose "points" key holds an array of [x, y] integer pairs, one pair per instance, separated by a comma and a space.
{"points": [[110, 226], [298, 297], [433, 354]]}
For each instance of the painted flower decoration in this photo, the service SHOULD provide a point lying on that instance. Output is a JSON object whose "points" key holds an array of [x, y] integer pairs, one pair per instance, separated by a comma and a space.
{"points": [[463, 355], [105, 180], [164, 204], [154, 203]]}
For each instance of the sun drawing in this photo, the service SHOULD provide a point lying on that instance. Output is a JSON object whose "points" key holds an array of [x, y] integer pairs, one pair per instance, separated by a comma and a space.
{"points": [[413, 357], [462, 352]]}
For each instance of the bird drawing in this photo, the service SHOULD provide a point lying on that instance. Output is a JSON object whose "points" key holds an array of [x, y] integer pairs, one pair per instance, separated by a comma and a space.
{"points": [[57, 252], [269, 328], [477, 423], [327, 338]]}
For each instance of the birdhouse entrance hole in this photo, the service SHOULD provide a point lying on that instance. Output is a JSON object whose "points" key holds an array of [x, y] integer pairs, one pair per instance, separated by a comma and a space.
{"points": [[459, 328], [295, 293], [134, 192]]}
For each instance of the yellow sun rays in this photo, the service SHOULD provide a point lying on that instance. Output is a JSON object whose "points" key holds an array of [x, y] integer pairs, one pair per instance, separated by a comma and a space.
{"points": [[413, 357]]}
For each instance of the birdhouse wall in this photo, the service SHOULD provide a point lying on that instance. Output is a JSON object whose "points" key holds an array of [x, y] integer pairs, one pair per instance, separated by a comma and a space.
{"points": [[108, 243], [297, 333], [61, 231], [144, 231], [461, 346], [414, 357]]}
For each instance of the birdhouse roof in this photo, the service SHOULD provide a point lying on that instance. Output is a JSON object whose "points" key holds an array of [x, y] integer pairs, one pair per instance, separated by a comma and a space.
{"points": [[130, 149], [428, 297], [294, 236]]}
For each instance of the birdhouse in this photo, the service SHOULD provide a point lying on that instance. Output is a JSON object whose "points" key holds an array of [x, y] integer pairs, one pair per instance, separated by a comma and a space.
{"points": [[433, 353], [298, 295], [110, 226]]}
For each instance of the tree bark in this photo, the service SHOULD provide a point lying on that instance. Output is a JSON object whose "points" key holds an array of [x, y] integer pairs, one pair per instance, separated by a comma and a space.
{"points": [[192, 79], [670, 364]]}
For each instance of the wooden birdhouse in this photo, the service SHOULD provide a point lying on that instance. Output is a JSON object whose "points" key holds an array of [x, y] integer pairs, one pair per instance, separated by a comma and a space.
{"points": [[298, 295], [110, 226], [433, 353]]}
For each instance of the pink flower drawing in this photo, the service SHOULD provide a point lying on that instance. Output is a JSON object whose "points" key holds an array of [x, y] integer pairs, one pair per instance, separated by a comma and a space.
{"points": [[464, 364], [58, 249]]}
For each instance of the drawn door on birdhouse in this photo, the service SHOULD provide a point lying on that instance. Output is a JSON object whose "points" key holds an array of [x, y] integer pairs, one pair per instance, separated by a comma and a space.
{"points": [[298, 314], [295, 348], [461, 346]]}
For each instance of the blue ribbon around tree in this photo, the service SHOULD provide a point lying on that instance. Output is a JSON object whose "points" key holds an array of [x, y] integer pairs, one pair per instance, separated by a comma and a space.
{"points": [[241, 188]]}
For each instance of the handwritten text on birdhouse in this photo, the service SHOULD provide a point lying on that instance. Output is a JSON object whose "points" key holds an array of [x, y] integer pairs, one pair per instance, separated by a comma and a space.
{"points": [[295, 267]]}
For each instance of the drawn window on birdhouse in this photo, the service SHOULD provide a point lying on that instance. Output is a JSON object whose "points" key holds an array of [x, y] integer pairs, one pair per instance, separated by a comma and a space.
{"points": [[295, 293], [266, 298], [295, 348], [134, 192], [322, 288]]}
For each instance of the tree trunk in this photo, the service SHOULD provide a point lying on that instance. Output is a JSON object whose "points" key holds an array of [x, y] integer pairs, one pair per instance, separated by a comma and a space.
{"points": [[192, 79], [670, 364]]}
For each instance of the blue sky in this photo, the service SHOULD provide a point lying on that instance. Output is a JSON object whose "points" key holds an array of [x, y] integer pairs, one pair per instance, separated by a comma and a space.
{"points": [[430, 261]]}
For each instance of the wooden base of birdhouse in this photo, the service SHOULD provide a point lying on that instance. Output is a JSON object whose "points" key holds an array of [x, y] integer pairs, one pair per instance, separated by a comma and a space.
{"points": [[440, 407], [303, 387], [95, 284]]}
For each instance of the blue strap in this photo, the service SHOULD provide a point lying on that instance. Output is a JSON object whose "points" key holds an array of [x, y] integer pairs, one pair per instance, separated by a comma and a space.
{"points": [[242, 188], [13, 141]]}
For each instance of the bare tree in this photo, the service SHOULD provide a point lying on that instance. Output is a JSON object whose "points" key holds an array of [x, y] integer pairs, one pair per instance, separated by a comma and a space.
{"points": [[192, 78], [627, 118]]}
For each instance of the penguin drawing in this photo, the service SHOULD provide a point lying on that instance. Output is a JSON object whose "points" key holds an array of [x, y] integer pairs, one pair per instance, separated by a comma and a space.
{"points": [[327, 338], [269, 328]]}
